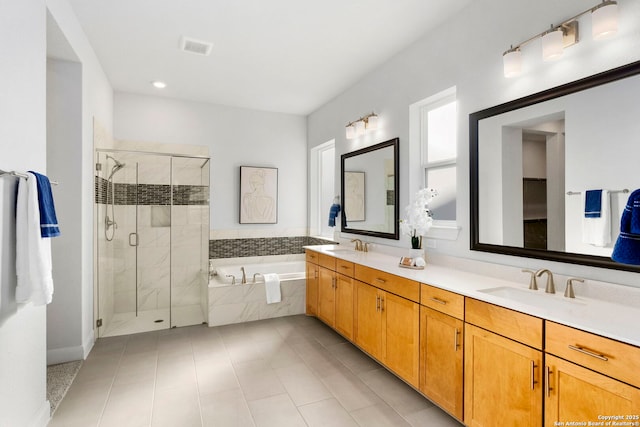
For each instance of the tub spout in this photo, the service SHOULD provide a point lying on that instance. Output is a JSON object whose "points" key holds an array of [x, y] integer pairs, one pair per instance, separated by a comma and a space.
{"points": [[254, 276], [244, 276], [233, 278]]}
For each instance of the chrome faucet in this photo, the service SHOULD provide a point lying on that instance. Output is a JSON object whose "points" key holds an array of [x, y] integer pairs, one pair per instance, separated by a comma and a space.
{"points": [[254, 276], [358, 243], [244, 276], [550, 288], [533, 283], [568, 292], [233, 278]]}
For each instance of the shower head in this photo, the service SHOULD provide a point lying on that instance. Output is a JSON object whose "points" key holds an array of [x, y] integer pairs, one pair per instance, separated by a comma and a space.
{"points": [[116, 167]]}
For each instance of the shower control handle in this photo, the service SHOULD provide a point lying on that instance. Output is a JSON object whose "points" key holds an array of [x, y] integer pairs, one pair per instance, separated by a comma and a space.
{"points": [[135, 242]]}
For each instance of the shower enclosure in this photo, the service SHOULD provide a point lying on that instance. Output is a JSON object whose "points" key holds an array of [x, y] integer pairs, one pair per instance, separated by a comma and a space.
{"points": [[152, 225]]}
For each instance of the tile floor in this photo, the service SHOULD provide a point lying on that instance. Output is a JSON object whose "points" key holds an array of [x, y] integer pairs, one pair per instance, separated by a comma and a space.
{"points": [[288, 371]]}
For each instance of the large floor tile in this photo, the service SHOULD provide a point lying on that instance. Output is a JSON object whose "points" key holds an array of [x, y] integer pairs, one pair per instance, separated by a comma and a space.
{"points": [[179, 406], [326, 413], [302, 385], [129, 405], [400, 396], [258, 380], [225, 409], [380, 415], [276, 411], [432, 417]]}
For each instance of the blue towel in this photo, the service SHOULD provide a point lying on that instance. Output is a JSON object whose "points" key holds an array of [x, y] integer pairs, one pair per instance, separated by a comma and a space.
{"points": [[48, 219], [333, 214], [593, 204], [627, 248]]}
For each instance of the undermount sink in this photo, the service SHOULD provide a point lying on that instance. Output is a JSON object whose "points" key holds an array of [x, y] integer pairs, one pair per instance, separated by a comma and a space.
{"points": [[343, 250], [538, 298]]}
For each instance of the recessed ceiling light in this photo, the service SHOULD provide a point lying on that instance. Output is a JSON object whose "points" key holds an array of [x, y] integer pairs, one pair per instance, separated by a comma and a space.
{"points": [[159, 84]]}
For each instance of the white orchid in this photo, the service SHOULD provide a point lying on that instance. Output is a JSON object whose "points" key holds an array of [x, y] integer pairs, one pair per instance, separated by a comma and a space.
{"points": [[418, 219]]}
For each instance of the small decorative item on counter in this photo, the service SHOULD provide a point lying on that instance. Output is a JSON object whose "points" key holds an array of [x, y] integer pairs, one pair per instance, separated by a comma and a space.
{"points": [[413, 263], [418, 219]]}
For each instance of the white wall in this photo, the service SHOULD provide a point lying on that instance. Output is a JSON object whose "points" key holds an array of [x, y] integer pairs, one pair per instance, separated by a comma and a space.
{"points": [[75, 269], [22, 147], [466, 52], [235, 137]]}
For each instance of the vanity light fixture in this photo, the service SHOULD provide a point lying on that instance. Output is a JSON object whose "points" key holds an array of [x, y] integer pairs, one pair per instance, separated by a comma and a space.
{"points": [[359, 127], [604, 23]]}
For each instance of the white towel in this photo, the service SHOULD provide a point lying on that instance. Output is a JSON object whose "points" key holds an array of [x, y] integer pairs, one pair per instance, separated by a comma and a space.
{"points": [[33, 253], [597, 231], [272, 286]]}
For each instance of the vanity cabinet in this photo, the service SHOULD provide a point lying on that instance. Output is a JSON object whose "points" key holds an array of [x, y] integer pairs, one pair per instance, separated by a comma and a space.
{"points": [[312, 275], [326, 296], [503, 366], [388, 325], [588, 376], [441, 348]]}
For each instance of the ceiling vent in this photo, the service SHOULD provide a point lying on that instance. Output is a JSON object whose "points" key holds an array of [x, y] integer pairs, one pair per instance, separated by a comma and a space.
{"points": [[198, 47]]}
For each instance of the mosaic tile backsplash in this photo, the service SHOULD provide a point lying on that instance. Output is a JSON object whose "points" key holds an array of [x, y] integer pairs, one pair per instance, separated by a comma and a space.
{"points": [[150, 194], [237, 248]]}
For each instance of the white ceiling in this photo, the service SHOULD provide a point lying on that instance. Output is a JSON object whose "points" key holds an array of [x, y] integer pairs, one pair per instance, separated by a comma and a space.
{"points": [[287, 56]]}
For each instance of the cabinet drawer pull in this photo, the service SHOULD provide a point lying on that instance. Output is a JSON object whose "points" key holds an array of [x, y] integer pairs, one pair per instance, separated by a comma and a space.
{"points": [[533, 375], [438, 300], [346, 267], [455, 340], [381, 304], [547, 385], [380, 280], [333, 282], [588, 352], [377, 303]]}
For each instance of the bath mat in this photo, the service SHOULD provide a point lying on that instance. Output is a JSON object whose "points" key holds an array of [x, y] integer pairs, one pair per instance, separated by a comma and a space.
{"points": [[59, 379]]}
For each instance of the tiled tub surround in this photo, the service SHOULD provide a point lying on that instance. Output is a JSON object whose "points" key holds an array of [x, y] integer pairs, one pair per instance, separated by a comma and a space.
{"points": [[262, 246], [240, 303]]}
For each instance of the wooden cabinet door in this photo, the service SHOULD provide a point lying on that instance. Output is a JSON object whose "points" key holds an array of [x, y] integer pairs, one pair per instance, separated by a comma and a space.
{"points": [[441, 349], [502, 381], [312, 289], [326, 296], [344, 305], [574, 393], [401, 336], [368, 320]]}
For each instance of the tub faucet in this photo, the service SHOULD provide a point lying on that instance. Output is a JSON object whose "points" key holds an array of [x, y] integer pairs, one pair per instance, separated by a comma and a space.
{"points": [[254, 276], [550, 288], [244, 276], [233, 278]]}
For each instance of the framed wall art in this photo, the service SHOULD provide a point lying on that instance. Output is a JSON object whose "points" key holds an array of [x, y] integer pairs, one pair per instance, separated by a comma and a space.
{"points": [[258, 195]]}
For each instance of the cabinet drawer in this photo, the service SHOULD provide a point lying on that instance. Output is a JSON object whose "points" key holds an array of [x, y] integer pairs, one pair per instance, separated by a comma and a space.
{"points": [[607, 356], [327, 261], [344, 267], [511, 324], [443, 301], [312, 256], [405, 288]]}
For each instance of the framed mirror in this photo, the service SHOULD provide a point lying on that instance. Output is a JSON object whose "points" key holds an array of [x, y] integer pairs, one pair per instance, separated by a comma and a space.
{"points": [[532, 161], [370, 190]]}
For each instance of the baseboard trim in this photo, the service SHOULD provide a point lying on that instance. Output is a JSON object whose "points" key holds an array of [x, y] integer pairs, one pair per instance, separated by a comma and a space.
{"points": [[87, 345], [65, 354], [43, 416]]}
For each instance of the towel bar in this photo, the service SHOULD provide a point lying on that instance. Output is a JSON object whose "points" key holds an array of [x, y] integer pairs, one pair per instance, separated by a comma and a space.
{"points": [[21, 175], [575, 193]]}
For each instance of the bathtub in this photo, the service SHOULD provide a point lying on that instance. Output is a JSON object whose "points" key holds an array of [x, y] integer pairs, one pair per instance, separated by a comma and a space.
{"points": [[288, 270], [238, 303]]}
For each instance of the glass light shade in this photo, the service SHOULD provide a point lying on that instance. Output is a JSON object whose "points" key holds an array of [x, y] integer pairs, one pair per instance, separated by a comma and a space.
{"points": [[350, 132], [552, 45], [158, 84], [359, 127], [604, 21], [512, 63], [372, 123]]}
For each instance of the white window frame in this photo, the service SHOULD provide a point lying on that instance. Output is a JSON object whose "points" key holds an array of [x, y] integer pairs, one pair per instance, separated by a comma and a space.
{"points": [[441, 229]]}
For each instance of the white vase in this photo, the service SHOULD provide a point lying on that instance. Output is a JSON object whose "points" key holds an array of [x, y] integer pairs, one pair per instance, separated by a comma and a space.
{"points": [[415, 253]]}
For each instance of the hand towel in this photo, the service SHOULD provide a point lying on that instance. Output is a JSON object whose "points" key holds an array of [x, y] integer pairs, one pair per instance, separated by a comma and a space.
{"points": [[48, 219], [627, 247], [272, 287], [33, 253], [593, 204], [333, 214], [596, 231]]}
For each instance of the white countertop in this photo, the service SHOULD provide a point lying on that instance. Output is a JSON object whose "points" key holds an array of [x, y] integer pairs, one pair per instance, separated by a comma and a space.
{"points": [[613, 320]]}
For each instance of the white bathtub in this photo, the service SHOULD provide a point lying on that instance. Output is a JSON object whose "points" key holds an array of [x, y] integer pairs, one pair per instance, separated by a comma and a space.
{"points": [[288, 270], [247, 302]]}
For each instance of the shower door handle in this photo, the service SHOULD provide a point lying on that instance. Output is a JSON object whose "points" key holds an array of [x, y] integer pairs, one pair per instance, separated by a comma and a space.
{"points": [[135, 242]]}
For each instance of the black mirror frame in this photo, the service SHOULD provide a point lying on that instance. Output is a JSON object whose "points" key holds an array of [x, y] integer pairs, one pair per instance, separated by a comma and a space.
{"points": [[395, 143], [609, 76]]}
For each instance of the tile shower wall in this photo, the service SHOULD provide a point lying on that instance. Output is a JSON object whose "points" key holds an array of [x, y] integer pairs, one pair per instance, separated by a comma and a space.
{"points": [[150, 194], [237, 248]]}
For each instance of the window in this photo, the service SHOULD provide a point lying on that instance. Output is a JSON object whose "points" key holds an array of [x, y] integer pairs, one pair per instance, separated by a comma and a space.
{"points": [[433, 154]]}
